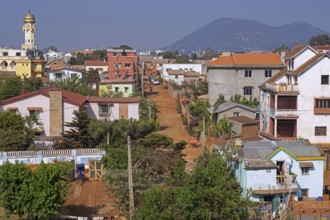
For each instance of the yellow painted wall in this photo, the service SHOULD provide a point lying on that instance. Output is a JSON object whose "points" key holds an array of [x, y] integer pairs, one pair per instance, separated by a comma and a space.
{"points": [[23, 68], [30, 68]]}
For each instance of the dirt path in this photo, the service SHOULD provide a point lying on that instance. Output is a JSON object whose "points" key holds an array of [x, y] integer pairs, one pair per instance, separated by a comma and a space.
{"points": [[171, 123], [89, 199]]}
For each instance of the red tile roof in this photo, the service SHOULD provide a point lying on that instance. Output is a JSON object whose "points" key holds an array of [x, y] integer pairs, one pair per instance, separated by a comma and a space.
{"points": [[71, 97], [95, 63], [248, 59]]}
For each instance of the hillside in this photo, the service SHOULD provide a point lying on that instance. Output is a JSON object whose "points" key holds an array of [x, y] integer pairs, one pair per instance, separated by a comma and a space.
{"points": [[241, 35]]}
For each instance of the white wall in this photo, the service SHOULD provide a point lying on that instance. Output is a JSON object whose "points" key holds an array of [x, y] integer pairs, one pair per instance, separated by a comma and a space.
{"points": [[302, 58], [178, 80], [313, 181], [68, 114], [65, 74], [35, 101], [309, 85], [12, 52], [93, 111], [189, 67], [260, 179]]}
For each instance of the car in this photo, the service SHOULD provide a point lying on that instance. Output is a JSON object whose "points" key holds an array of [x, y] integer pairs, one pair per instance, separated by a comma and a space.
{"points": [[155, 81]]}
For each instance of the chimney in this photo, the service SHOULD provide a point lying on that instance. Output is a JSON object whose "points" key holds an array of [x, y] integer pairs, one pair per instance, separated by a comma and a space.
{"points": [[22, 91], [55, 112]]}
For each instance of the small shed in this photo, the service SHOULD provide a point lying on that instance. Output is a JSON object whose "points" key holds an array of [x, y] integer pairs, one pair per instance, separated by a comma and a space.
{"points": [[244, 126]]}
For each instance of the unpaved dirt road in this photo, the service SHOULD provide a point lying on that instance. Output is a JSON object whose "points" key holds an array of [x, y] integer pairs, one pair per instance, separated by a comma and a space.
{"points": [[171, 123]]}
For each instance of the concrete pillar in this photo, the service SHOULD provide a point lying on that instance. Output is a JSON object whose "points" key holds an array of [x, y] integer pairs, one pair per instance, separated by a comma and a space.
{"points": [[275, 127], [4, 157], [39, 156]]}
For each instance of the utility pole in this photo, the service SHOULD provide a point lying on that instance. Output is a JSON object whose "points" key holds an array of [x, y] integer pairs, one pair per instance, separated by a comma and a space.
{"points": [[203, 136], [130, 178], [108, 134], [142, 81]]}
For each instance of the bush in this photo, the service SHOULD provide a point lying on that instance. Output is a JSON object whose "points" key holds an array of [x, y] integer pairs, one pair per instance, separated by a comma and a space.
{"points": [[184, 120], [179, 145], [178, 107], [155, 141]]}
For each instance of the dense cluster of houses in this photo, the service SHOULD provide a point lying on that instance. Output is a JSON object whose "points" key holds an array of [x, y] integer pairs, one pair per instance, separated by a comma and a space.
{"points": [[277, 154]]}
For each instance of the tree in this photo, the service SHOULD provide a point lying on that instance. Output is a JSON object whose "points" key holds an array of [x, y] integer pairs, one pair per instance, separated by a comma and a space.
{"points": [[209, 192], [32, 84], [147, 105], [78, 135], [14, 132], [73, 84], [209, 54], [92, 77], [223, 128], [170, 54], [33, 195], [320, 40], [281, 48], [11, 87]]}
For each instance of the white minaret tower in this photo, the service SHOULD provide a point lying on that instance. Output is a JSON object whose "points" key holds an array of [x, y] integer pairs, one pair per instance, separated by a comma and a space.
{"points": [[29, 28]]}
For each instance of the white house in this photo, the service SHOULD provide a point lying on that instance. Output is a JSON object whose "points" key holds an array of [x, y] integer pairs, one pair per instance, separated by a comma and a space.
{"points": [[60, 74], [295, 103], [179, 76], [271, 169], [52, 55], [176, 66], [55, 107]]}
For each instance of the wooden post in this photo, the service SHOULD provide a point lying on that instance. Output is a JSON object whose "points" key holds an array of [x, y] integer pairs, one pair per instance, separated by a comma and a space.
{"points": [[149, 107], [130, 178]]}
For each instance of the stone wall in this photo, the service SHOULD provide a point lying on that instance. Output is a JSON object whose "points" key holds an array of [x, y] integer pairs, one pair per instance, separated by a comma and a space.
{"points": [[56, 112]]}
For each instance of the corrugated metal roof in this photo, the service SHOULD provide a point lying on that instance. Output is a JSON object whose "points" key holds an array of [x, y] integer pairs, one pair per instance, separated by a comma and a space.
{"points": [[261, 149]]}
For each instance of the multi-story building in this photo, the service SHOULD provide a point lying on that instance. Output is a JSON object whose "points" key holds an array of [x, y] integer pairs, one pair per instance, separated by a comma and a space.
{"points": [[122, 72], [241, 73], [295, 103], [273, 171]]}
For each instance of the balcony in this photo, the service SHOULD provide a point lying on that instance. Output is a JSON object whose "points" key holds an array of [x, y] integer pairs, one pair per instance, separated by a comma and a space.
{"points": [[282, 88]]}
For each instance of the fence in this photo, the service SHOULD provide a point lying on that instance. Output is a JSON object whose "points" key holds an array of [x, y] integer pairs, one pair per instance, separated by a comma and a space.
{"points": [[49, 156]]}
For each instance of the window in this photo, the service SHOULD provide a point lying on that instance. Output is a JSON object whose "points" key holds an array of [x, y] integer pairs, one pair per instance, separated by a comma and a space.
{"points": [[322, 103], [103, 110], [325, 80], [5, 53], [268, 73], [321, 131], [304, 192], [176, 76], [126, 89], [236, 113], [248, 73], [114, 54], [305, 170], [18, 54], [58, 75], [127, 65], [34, 112], [116, 89], [247, 90]]}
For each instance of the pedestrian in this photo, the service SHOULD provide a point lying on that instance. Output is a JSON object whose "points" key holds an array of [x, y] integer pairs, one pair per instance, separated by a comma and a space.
{"points": [[150, 88]]}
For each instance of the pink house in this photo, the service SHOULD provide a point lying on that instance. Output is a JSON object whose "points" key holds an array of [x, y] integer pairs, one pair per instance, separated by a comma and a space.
{"points": [[55, 107]]}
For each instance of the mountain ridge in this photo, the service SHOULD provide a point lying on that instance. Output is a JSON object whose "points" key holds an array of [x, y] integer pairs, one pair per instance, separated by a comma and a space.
{"points": [[243, 34]]}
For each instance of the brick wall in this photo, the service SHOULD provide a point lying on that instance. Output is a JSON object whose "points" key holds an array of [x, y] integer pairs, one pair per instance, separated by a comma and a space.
{"points": [[56, 113]]}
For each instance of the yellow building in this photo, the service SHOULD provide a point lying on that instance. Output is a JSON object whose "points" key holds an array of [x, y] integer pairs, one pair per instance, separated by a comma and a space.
{"points": [[32, 66], [26, 68]]}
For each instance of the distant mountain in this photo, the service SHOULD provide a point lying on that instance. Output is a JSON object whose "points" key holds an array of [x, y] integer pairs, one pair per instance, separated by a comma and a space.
{"points": [[241, 35]]}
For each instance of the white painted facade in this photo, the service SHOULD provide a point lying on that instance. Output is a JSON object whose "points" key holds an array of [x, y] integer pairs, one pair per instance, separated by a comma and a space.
{"points": [[63, 74], [308, 88], [51, 55], [188, 67], [313, 181], [177, 79]]}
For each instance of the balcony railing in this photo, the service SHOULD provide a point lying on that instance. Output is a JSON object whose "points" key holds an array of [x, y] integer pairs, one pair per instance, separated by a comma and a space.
{"points": [[282, 87]]}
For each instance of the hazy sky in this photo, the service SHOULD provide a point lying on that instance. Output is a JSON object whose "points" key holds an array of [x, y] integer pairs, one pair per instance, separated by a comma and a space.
{"points": [[149, 24]]}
